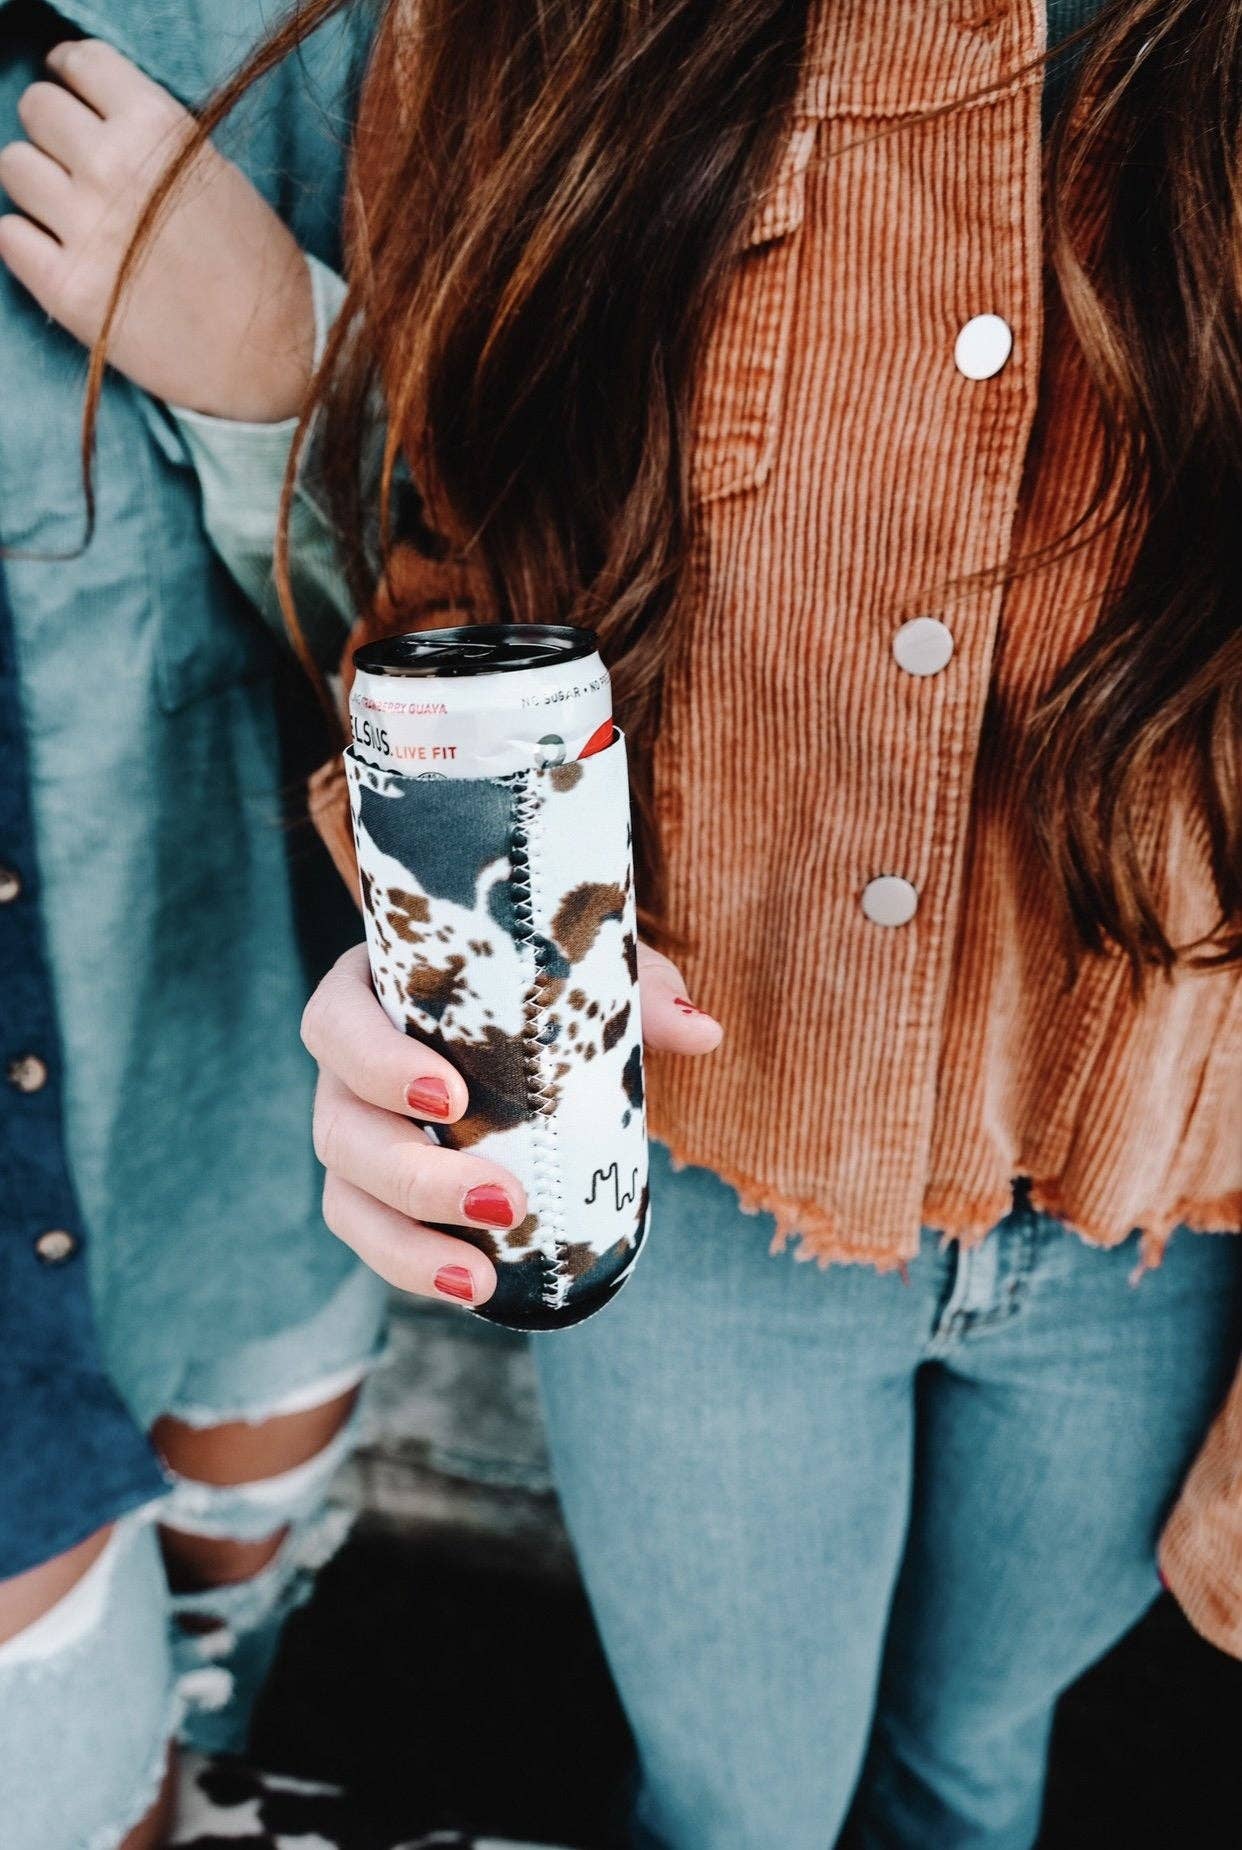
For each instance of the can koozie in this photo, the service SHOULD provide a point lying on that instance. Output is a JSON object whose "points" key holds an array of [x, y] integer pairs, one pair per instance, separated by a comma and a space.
{"points": [[501, 930]]}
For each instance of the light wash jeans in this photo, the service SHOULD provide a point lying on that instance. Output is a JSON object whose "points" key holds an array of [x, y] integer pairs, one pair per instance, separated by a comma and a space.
{"points": [[91, 1693], [848, 1537]]}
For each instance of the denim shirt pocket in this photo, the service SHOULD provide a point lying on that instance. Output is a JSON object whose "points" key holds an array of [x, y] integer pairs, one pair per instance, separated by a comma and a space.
{"points": [[209, 637], [739, 399]]}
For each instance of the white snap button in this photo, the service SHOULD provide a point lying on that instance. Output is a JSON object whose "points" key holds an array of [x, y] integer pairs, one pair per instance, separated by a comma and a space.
{"points": [[983, 346], [10, 886], [27, 1073], [923, 646], [889, 900], [55, 1246]]}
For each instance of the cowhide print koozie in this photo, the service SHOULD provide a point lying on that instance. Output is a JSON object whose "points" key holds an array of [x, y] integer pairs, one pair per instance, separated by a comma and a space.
{"points": [[500, 923]]}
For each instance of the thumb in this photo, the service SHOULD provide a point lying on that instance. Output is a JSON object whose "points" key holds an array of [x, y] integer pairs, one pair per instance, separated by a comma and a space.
{"points": [[671, 1023]]}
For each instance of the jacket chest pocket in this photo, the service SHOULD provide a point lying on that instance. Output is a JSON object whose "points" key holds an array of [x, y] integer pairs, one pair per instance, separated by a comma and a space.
{"points": [[739, 400]]}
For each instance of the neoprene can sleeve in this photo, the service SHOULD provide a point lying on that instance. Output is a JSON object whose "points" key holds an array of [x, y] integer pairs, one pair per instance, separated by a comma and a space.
{"points": [[501, 929]]}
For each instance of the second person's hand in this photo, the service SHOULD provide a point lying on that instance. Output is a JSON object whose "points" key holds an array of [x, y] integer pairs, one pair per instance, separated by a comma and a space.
{"points": [[385, 1178]]}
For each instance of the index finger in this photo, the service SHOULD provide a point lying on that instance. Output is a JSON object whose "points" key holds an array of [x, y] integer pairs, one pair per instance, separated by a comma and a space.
{"points": [[100, 75], [349, 1034]]}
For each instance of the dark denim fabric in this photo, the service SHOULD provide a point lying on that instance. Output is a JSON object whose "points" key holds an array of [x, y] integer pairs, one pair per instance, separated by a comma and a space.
{"points": [[70, 1453]]}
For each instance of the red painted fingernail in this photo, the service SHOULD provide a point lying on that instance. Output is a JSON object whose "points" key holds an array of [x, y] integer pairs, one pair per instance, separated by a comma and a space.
{"points": [[685, 1005], [488, 1204], [454, 1281], [429, 1096]]}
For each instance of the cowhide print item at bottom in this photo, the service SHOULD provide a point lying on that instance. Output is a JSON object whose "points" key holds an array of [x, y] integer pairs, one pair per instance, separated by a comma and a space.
{"points": [[226, 1805], [501, 930]]}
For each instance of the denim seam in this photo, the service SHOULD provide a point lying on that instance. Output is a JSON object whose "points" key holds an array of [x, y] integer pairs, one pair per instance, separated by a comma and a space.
{"points": [[1013, 1293], [1023, 1244]]}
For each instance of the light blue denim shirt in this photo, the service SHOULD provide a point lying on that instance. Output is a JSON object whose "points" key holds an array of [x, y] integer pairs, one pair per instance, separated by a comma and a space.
{"points": [[155, 772]]}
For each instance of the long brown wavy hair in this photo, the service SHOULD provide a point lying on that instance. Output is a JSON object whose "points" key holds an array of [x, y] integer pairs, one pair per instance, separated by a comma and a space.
{"points": [[538, 239]]}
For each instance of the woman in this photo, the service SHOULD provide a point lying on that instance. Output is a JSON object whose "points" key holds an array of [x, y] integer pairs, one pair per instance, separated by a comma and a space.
{"points": [[181, 1345], [729, 332]]}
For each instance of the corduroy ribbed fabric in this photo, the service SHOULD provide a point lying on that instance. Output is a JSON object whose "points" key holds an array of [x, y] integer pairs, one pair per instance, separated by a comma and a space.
{"points": [[847, 477], [876, 1079]]}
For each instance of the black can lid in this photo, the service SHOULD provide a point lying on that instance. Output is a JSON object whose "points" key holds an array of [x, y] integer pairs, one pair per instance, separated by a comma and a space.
{"points": [[476, 648]]}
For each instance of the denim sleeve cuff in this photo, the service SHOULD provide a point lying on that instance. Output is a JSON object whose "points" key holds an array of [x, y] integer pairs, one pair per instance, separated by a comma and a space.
{"points": [[241, 472], [248, 460]]}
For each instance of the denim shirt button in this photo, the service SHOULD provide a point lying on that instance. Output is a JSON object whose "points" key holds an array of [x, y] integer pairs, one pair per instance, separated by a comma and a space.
{"points": [[10, 886], [55, 1246], [28, 1073]]}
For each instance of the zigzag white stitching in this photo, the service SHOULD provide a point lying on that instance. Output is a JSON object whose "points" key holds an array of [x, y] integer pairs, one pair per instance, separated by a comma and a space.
{"points": [[541, 1097]]}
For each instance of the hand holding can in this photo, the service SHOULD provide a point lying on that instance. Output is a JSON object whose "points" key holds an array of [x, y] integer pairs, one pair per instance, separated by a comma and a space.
{"points": [[491, 815]]}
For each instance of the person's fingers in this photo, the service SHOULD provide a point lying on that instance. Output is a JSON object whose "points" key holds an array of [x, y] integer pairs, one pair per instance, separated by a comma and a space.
{"points": [[347, 1031], [33, 256], [60, 124], [399, 1164], [103, 76], [36, 184], [671, 1022], [407, 1254]]}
